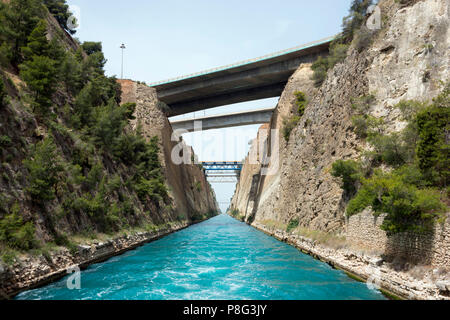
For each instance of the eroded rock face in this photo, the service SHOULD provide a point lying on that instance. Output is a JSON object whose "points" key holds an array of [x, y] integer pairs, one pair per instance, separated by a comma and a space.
{"points": [[407, 60], [189, 190]]}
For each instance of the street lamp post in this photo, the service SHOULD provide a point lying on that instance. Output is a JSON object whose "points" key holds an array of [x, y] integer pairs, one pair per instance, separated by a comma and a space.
{"points": [[123, 48]]}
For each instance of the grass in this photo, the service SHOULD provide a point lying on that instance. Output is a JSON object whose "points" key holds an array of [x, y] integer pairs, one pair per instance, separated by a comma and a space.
{"points": [[328, 239]]}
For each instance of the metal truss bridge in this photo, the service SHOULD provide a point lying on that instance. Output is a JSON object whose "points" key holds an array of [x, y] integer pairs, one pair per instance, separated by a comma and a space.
{"points": [[222, 171]]}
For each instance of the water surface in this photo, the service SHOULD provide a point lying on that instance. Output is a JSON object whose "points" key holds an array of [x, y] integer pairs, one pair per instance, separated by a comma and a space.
{"points": [[220, 259]]}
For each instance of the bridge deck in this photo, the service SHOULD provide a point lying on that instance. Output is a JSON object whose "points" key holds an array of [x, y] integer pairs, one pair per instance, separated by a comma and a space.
{"points": [[246, 64], [254, 79]]}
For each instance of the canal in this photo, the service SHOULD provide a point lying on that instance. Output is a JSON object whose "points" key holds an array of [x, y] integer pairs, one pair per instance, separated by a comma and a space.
{"points": [[220, 259]]}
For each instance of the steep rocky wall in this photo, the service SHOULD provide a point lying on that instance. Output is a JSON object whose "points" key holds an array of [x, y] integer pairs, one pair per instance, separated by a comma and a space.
{"points": [[397, 66], [190, 192]]}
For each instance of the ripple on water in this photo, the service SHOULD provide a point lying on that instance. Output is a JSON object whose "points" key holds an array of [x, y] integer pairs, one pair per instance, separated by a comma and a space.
{"points": [[219, 259]]}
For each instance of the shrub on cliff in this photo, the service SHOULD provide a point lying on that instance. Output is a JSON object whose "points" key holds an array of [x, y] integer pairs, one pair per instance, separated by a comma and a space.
{"points": [[419, 156], [289, 125], [338, 53], [292, 225], [433, 150], [351, 26], [407, 207], [350, 172], [301, 102], [15, 233]]}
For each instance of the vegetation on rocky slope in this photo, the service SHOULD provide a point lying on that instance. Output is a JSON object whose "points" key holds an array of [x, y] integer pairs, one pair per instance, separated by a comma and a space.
{"points": [[69, 163], [289, 124], [414, 190], [353, 30]]}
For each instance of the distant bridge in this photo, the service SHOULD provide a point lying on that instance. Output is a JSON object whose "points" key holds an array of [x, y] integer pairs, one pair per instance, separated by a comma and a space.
{"points": [[225, 121], [222, 171], [259, 78]]}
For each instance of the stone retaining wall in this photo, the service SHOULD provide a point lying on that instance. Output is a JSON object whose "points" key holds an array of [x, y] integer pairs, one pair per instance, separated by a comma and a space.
{"points": [[431, 249]]}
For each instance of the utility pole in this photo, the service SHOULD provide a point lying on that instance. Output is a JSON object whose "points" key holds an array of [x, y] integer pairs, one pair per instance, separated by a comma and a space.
{"points": [[123, 48]]}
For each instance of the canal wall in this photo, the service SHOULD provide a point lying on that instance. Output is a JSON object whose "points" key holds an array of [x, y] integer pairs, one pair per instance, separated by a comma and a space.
{"points": [[428, 248]]}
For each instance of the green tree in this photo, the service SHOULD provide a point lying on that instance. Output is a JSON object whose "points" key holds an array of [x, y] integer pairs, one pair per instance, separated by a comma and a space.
{"points": [[39, 70], [60, 10], [110, 122], [43, 167], [40, 75], [433, 149], [70, 74], [92, 47], [37, 44], [320, 68], [17, 21]]}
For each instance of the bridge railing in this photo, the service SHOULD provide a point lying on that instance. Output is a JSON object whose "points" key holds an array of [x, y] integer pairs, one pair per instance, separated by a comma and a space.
{"points": [[245, 62]]}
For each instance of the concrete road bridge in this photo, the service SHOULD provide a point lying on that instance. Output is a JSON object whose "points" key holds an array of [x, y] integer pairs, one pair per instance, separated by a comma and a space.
{"points": [[259, 78], [229, 120]]}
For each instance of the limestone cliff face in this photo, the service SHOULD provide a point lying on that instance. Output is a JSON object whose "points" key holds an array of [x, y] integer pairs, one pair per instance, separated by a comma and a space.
{"points": [[189, 190], [399, 65]]}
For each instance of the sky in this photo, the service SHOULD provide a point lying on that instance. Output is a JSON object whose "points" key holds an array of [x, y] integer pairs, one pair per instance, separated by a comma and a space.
{"points": [[171, 38]]}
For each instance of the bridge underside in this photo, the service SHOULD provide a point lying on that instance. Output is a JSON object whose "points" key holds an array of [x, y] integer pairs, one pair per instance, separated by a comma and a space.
{"points": [[224, 121], [253, 80]]}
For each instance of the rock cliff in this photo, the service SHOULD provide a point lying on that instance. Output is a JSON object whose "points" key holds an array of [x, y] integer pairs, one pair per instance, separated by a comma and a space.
{"points": [[190, 192], [407, 60]]}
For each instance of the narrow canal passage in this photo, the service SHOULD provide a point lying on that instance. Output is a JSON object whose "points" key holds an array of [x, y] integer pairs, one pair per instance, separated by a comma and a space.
{"points": [[218, 259]]}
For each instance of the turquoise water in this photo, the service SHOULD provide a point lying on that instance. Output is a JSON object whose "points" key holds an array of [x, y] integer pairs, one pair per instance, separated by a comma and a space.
{"points": [[220, 259]]}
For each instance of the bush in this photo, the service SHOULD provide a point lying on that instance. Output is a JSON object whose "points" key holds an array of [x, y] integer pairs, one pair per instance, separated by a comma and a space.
{"points": [[433, 150], [320, 68], [235, 213], [407, 207], [301, 102], [110, 122], [392, 149], [15, 233], [293, 224], [289, 125], [154, 188], [5, 141], [364, 38], [350, 172], [338, 53], [364, 124]]}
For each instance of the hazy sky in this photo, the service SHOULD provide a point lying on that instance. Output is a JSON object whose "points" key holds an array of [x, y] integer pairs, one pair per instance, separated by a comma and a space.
{"points": [[170, 38]]}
